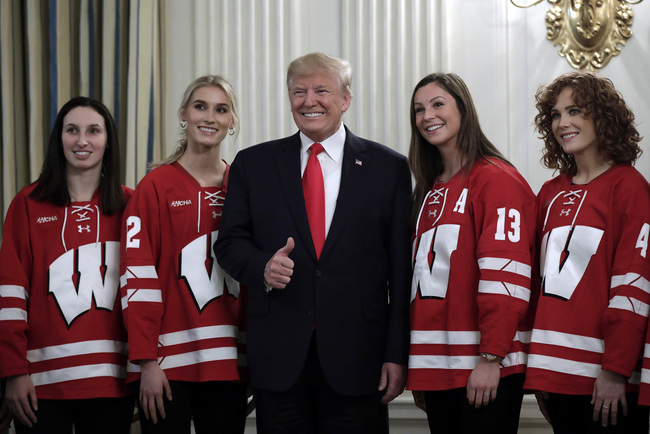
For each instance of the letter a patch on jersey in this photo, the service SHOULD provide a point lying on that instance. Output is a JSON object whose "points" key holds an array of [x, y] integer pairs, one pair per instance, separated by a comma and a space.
{"points": [[460, 204]]}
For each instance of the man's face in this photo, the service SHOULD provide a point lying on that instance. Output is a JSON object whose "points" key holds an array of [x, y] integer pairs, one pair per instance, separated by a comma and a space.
{"points": [[317, 104]]}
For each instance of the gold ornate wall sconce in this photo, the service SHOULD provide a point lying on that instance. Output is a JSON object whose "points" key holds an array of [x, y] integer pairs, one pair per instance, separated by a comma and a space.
{"points": [[590, 32]]}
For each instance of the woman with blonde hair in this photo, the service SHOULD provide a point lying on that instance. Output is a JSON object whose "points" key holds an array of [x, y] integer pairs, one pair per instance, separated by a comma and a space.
{"points": [[182, 312]]}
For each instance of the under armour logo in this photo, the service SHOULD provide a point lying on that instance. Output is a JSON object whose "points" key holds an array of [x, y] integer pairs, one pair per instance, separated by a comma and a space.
{"points": [[83, 228], [215, 214], [571, 197], [437, 194], [433, 212], [214, 198], [565, 212]]}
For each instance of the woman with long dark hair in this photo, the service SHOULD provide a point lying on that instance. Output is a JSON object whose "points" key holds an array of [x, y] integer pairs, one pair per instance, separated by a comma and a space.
{"points": [[473, 223], [182, 311], [62, 339]]}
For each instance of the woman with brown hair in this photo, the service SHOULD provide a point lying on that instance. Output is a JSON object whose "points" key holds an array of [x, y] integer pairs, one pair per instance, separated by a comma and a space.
{"points": [[591, 316], [473, 224]]}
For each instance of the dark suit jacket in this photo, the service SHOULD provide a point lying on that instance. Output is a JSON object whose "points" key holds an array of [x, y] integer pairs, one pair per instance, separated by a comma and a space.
{"points": [[364, 262]]}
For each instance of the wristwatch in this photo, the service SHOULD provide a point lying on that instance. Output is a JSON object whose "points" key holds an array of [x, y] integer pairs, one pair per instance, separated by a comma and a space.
{"points": [[490, 357]]}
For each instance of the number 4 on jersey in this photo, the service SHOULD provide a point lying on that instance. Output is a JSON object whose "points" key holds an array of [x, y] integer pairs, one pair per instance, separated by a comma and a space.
{"points": [[642, 241]]}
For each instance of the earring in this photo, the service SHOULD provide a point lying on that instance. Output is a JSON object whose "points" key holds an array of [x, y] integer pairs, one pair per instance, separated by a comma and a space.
{"points": [[183, 124], [231, 131]]}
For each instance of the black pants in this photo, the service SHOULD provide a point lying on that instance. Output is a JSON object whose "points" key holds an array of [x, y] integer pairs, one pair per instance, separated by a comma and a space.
{"points": [[449, 411], [311, 406], [573, 414], [214, 406], [88, 416]]}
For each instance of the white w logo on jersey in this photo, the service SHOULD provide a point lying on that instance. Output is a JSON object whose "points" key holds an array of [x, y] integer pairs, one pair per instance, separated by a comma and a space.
{"points": [[96, 267], [203, 275], [432, 280], [565, 255]]}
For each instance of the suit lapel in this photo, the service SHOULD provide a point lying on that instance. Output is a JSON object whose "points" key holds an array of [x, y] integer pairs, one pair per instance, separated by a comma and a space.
{"points": [[353, 172], [288, 164]]}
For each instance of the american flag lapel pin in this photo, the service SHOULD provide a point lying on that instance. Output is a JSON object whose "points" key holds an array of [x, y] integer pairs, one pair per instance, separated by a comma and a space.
{"points": [[358, 162]]}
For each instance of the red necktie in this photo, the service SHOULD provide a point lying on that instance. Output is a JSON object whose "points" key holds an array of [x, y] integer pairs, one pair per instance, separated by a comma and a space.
{"points": [[314, 191]]}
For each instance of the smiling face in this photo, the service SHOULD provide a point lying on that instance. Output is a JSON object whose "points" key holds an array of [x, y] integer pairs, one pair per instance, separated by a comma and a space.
{"points": [[573, 130], [208, 116], [84, 139], [437, 116], [318, 104]]}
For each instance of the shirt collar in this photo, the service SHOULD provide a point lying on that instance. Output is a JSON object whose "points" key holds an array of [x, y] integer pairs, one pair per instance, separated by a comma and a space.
{"points": [[333, 145]]}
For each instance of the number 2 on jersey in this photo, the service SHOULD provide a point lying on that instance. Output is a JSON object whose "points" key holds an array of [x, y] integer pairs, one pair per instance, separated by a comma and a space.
{"points": [[133, 226]]}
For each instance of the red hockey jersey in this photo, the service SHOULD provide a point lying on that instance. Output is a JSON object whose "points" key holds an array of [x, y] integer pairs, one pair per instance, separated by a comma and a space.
{"points": [[471, 275], [594, 300], [60, 316], [179, 306]]}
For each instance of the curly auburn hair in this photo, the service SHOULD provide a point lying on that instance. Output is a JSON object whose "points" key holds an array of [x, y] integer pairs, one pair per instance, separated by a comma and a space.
{"points": [[599, 101]]}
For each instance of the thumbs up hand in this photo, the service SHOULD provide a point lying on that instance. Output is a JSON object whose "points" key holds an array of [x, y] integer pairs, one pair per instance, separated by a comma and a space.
{"points": [[279, 269]]}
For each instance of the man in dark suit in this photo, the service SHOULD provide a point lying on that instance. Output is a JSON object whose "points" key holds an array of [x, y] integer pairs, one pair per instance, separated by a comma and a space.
{"points": [[328, 329]]}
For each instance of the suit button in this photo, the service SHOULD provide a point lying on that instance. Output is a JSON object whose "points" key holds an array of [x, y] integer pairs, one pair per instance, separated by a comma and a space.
{"points": [[310, 312], [317, 273]]}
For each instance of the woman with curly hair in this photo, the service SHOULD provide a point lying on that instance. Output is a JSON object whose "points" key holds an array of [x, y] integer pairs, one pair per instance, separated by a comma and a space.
{"points": [[593, 222]]}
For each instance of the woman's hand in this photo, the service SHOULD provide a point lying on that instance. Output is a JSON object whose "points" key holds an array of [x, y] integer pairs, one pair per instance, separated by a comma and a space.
{"points": [[609, 391], [483, 382], [21, 399], [153, 383]]}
